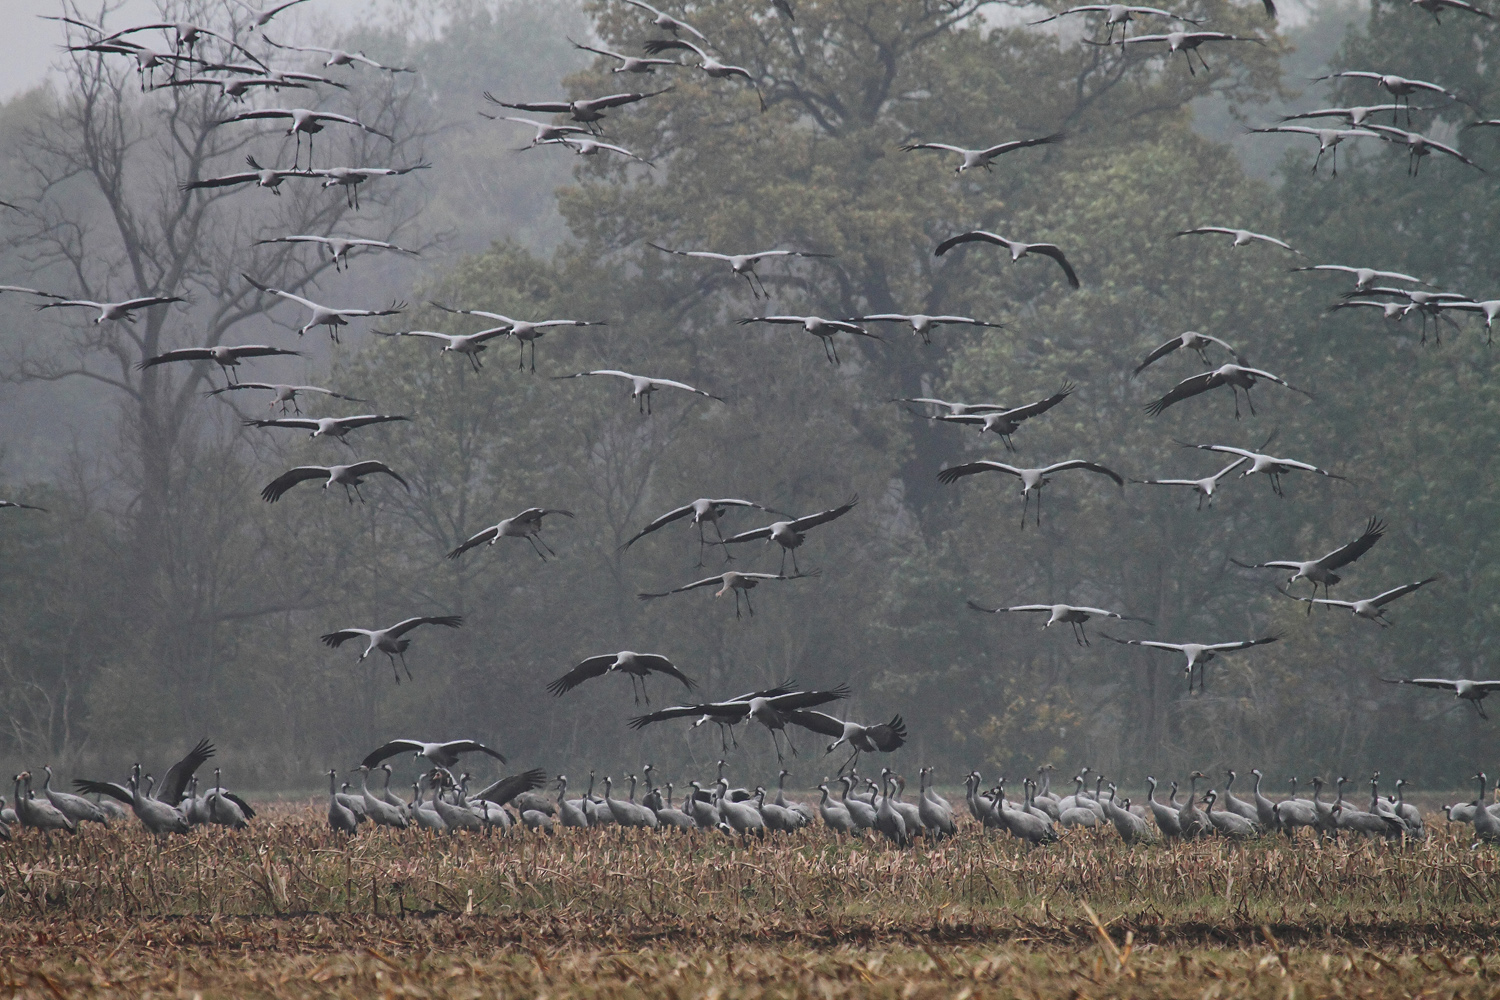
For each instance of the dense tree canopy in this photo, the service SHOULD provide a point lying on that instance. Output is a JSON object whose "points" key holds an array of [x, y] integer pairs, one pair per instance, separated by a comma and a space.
{"points": [[1410, 425]]}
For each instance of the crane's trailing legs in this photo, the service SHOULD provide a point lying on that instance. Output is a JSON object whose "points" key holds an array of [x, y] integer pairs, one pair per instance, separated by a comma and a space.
{"points": [[851, 764], [1026, 504], [704, 542]]}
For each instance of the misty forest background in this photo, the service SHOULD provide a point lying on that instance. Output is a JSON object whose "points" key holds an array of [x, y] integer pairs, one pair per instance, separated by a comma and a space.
{"points": [[161, 600]]}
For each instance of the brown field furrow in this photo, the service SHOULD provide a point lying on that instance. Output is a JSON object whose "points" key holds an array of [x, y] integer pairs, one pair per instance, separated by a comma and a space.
{"points": [[288, 909]]}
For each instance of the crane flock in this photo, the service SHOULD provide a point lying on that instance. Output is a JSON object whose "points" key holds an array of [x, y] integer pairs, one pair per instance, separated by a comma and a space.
{"points": [[441, 800]]}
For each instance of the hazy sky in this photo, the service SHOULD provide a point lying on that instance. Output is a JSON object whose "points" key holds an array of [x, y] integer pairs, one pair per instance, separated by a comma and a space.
{"points": [[32, 45]]}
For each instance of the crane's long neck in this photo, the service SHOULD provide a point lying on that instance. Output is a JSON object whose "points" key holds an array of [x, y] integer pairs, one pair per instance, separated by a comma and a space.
{"points": [[333, 788]]}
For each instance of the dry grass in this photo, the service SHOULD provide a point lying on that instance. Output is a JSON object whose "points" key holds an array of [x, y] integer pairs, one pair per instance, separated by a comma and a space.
{"points": [[288, 909]]}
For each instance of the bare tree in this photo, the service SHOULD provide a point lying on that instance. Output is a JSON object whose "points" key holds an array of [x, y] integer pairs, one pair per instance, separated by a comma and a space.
{"points": [[110, 206], [105, 199]]}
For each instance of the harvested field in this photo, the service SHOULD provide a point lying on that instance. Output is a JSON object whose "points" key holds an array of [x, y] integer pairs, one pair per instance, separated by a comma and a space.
{"points": [[288, 909]]}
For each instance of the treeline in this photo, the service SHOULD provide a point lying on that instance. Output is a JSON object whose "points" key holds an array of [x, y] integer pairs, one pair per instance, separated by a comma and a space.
{"points": [[101, 665]]}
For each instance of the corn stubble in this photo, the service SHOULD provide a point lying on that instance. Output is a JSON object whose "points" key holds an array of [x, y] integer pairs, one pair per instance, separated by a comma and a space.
{"points": [[288, 909]]}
